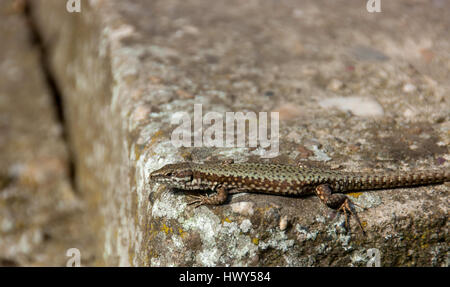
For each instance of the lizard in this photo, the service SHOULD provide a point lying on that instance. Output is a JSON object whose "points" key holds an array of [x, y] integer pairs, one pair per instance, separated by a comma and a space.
{"points": [[279, 179]]}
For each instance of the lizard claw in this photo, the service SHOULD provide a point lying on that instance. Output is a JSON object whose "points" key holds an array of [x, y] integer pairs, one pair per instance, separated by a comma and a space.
{"points": [[348, 209]]}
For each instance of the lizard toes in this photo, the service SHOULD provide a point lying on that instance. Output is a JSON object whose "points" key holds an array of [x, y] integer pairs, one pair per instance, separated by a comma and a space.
{"points": [[197, 200], [348, 209]]}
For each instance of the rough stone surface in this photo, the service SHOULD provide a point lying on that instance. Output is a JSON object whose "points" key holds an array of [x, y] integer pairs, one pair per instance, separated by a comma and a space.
{"points": [[125, 67], [40, 215]]}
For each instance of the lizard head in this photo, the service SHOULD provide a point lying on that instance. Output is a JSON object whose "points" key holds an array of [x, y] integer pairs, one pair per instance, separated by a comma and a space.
{"points": [[176, 175]]}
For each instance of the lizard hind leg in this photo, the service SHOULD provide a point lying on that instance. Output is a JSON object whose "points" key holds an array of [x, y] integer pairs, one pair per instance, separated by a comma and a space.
{"points": [[338, 201]]}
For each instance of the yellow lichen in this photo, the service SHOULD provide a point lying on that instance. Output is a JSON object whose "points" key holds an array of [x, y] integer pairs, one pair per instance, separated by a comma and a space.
{"points": [[165, 229], [355, 194], [156, 137], [181, 232]]}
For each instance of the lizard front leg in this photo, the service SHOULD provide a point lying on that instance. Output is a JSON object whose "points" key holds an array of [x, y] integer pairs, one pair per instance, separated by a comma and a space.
{"points": [[338, 201], [219, 198]]}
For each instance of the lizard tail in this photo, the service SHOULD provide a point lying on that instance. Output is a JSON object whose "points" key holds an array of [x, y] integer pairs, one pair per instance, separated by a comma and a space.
{"points": [[398, 179]]}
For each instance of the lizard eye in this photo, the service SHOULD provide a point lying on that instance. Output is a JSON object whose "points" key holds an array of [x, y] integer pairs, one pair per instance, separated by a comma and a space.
{"points": [[169, 174]]}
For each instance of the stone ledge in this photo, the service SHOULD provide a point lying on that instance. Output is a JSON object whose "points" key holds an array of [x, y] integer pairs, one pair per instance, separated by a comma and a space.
{"points": [[124, 69]]}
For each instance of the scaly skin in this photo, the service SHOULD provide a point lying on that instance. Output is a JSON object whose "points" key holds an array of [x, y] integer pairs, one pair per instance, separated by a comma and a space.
{"points": [[328, 185]]}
